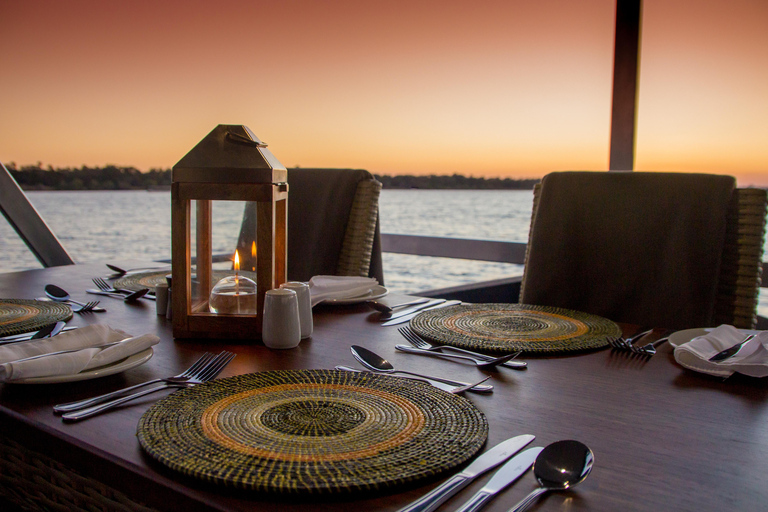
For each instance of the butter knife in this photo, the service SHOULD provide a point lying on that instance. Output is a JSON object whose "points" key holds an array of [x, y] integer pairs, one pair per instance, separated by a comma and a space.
{"points": [[407, 317], [508, 473], [485, 462], [413, 309], [15, 338]]}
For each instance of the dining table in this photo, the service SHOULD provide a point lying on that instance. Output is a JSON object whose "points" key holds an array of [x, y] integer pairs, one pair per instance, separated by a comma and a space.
{"points": [[663, 437]]}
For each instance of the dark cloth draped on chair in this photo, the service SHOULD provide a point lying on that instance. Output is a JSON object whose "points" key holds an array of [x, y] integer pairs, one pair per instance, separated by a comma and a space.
{"points": [[641, 248], [322, 203]]}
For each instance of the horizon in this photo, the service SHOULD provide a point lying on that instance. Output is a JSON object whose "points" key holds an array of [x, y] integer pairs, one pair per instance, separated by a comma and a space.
{"points": [[500, 89]]}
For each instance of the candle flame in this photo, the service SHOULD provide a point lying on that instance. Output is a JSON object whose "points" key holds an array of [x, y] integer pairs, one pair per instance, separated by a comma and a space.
{"points": [[253, 253], [237, 261]]}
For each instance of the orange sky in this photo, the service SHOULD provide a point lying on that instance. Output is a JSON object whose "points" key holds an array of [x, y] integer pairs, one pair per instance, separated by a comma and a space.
{"points": [[490, 88]]}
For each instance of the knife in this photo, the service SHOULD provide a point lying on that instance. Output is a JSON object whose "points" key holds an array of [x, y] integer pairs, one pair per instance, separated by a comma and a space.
{"points": [[49, 331], [407, 317], [15, 338], [435, 383], [413, 309], [485, 462], [508, 473]]}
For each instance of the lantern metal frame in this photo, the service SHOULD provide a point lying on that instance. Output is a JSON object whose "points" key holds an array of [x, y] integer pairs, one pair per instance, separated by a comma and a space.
{"points": [[230, 164]]}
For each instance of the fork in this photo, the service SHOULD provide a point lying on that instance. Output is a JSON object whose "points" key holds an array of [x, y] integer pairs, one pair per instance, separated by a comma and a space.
{"points": [[184, 376], [419, 342], [104, 286], [480, 363], [85, 308], [208, 372]]}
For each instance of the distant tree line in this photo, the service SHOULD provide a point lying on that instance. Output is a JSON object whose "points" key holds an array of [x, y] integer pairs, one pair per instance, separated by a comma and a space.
{"points": [[112, 177], [455, 181]]}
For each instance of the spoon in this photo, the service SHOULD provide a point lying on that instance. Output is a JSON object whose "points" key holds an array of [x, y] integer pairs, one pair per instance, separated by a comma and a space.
{"points": [[559, 466], [60, 295], [385, 308], [375, 362]]}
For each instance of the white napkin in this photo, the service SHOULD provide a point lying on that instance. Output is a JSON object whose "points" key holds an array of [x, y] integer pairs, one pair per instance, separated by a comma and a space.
{"points": [[751, 360], [339, 287], [88, 338]]}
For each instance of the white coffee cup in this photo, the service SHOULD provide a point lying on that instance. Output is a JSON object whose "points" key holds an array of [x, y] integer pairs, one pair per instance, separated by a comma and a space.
{"points": [[281, 327], [305, 306]]}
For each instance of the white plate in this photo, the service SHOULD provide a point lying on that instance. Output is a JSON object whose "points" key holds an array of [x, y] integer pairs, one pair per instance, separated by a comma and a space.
{"points": [[94, 373], [376, 292], [680, 337]]}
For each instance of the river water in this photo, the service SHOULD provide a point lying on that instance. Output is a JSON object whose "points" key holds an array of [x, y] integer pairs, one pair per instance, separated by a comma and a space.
{"points": [[107, 225]]}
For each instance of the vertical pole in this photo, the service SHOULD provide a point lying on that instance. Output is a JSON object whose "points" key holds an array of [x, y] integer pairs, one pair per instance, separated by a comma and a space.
{"points": [[626, 65]]}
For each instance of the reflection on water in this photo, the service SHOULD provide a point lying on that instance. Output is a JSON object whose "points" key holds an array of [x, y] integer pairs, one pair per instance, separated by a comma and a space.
{"points": [[104, 225]]}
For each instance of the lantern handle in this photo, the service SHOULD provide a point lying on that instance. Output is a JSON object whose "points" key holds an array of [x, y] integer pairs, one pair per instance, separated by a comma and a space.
{"points": [[236, 137]]}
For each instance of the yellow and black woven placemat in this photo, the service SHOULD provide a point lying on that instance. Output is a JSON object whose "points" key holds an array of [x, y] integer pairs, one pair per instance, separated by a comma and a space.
{"points": [[504, 328], [23, 315], [312, 431], [141, 280]]}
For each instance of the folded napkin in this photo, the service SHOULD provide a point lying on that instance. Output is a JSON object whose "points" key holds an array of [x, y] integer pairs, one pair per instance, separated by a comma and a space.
{"points": [[87, 339], [339, 287], [751, 360]]}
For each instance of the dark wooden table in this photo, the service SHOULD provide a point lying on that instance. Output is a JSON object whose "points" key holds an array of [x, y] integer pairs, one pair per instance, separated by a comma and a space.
{"points": [[664, 438]]}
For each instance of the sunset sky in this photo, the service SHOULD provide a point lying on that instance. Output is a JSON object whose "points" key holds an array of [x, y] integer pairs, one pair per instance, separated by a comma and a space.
{"points": [[490, 88]]}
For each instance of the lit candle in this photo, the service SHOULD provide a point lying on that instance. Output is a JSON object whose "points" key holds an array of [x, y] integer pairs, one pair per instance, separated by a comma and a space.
{"points": [[253, 255], [234, 295]]}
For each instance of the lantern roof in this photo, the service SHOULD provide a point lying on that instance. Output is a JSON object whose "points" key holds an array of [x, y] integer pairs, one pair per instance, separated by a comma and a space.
{"points": [[229, 154]]}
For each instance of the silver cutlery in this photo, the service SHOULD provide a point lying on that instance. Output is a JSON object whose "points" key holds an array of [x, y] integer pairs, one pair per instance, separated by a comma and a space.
{"points": [[68, 351], [419, 342], [484, 463], [26, 336], [386, 308], [407, 317], [622, 343], [374, 362], [456, 390], [60, 295], [650, 348], [480, 363], [730, 351], [205, 374], [182, 377], [122, 272], [413, 309], [102, 285], [504, 477], [133, 297], [559, 466]]}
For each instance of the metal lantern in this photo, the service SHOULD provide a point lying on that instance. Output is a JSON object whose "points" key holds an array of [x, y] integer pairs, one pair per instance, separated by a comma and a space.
{"points": [[228, 166]]}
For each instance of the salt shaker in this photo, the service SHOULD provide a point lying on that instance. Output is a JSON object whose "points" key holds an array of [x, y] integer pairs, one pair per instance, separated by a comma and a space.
{"points": [[281, 327], [305, 306]]}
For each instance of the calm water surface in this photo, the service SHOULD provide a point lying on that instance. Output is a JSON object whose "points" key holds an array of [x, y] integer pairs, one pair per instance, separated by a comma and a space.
{"points": [[106, 225]]}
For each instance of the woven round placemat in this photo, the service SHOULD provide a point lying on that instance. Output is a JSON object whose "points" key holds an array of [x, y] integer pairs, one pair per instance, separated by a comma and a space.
{"points": [[22, 315], [312, 431], [504, 328], [141, 280]]}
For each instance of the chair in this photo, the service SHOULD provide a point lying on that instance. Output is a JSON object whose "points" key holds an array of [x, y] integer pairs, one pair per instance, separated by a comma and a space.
{"points": [[653, 249], [333, 224], [28, 223]]}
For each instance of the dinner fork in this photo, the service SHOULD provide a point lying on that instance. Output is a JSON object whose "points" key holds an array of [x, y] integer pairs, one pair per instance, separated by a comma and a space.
{"points": [[84, 308], [209, 371], [419, 342], [102, 285], [184, 376]]}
